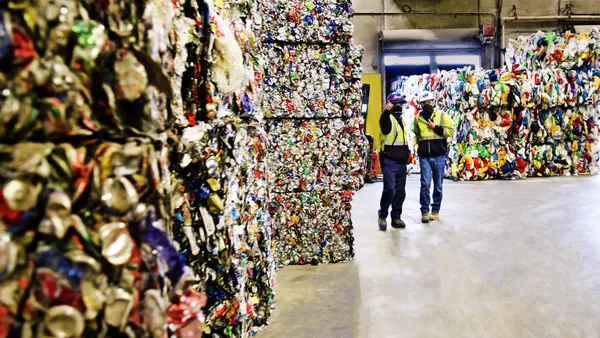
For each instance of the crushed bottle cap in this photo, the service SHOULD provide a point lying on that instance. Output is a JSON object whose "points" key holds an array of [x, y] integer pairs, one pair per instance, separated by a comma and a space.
{"points": [[117, 245], [8, 255], [119, 194], [21, 194], [64, 321], [119, 304]]}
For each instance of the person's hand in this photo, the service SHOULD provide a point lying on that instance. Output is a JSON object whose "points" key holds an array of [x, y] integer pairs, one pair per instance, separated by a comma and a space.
{"points": [[430, 124], [389, 106]]}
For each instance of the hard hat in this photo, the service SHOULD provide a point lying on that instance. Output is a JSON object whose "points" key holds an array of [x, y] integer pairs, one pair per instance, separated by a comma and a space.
{"points": [[396, 98], [426, 96]]}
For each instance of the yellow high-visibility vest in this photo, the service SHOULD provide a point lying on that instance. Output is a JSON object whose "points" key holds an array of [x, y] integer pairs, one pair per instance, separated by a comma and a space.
{"points": [[397, 137], [423, 133]]}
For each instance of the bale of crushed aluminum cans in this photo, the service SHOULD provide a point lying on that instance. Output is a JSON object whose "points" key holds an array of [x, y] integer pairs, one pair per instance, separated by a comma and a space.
{"points": [[312, 81], [56, 90], [307, 155], [85, 247], [316, 21], [93, 219], [313, 93], [85, 221], [313, 227], [222, 224], [222, 220], [313, 166]]}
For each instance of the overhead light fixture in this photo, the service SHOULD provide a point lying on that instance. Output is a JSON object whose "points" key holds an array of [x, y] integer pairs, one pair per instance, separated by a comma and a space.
{"points": [[396, 60]]}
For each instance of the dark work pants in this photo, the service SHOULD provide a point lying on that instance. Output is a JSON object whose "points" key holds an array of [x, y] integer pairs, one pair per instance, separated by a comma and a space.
{"points": [[394, 188]]}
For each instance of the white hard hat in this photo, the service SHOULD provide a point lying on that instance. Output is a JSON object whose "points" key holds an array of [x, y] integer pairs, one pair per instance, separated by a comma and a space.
{"points": [[426, 96]]}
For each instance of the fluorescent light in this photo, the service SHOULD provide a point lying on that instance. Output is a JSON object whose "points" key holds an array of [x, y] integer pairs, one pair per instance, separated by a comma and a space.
{"points": [[459, 60], [395, 60]]}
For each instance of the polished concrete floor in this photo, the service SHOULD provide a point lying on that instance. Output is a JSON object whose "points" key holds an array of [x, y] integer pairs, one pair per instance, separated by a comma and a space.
{"points": [[509, 259]]}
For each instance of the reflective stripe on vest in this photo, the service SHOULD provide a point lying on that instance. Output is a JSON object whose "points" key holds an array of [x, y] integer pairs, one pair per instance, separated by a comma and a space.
{"points": [[429, 138], [393, 138]]}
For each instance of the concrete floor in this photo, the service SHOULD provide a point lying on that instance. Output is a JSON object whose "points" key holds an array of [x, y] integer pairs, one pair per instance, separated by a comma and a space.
{"points": [[509, 259]]}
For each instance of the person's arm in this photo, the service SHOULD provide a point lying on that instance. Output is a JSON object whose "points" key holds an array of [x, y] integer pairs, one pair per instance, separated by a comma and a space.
{"points": [[385, 122], [447, 129], [449, 125]]}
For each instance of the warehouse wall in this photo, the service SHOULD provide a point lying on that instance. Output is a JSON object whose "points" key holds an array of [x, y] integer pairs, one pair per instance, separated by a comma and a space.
{"points": [[368, 28]]}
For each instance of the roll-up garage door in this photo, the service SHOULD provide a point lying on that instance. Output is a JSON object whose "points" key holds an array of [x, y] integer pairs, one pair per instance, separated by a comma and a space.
{"points": [[436, 40], [419, 51]]}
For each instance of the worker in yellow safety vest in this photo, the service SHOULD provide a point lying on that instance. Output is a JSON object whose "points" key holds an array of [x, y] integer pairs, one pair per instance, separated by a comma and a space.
{"points": [[394, 159], [432, 129]]}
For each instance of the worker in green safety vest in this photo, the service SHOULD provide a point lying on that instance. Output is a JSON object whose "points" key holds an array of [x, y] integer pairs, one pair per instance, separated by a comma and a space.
{"points": [[394, 159], [432, 129]]}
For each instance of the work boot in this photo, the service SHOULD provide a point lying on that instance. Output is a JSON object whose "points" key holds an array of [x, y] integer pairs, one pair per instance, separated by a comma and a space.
{"points": [[398, 224], [425, 218], [434, 217], [382, 224]]}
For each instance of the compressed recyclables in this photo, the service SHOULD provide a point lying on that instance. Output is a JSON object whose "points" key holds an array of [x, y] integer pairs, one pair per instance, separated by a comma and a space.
{"points": [[307, 155], [517, 123], [315, 21], [313, 228], [312, 81]]}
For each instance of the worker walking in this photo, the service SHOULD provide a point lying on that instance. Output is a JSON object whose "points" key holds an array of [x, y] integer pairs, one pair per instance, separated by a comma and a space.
{"points": [[432, 129], [394, 159]]}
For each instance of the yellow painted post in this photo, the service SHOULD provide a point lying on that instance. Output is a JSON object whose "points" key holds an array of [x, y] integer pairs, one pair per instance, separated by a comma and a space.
{"points": [[374, 109]]}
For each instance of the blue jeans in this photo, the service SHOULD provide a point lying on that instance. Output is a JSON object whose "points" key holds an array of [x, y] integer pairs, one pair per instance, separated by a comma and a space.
{"points": [[432, 168], [394, 188]]}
